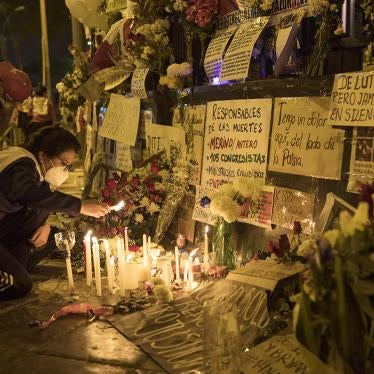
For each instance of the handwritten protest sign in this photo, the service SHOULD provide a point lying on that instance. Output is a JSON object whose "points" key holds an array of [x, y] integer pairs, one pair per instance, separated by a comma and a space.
{"points": [[301, 142], [122, 119], [138, 83], [172, 139], [352, 100], [362, 158], [265, 274], [192, 119], [122, 159], [277, 355], [214, 53], [173, 334], [238, 56], [292, 205], [236, 140]]}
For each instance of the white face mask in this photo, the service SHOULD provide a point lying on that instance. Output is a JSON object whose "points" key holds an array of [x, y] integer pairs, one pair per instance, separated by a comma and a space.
{"points": [[56, 175]]}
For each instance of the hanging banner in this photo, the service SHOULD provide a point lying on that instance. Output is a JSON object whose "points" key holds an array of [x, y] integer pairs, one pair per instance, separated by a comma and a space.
{"points": [[292, 205], [138, 83], [361, 169], [352, 100], [192, 119], [171, 139], [214, 53], [122, 119], [301, 142], [238, 56], [236, 140]]}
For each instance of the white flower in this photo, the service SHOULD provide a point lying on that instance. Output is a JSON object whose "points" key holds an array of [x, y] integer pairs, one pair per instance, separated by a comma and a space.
{"points": [[179, 70], [139, 218], [159, 186], [163, 22], [227, 190], [223, 206], [307, 248], [153, 208], [358, 222], [332, 236], [179, 5], [163, 293], [144, 201]]}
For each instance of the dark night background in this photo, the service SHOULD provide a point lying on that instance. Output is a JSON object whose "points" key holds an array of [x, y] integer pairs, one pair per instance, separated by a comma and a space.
{"points": [[21, 28]]}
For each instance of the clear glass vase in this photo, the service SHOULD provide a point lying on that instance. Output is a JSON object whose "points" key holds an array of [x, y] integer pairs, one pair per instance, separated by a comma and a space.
{"points": [[222, 244]]}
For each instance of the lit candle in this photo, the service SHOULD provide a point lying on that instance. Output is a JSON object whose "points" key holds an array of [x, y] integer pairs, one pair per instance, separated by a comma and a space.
{"points": [[185, 274], [111, 275], [118, 206], [87, 245], [126, 244], [206, 250], [96, 257], [164, 263], [121, 271], [107, 262], [177, 275], [131, 271], [68, 265], [145, 249], [119, 247]]}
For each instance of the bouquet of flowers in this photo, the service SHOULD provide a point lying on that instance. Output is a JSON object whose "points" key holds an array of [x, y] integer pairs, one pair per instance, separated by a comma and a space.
{"points": [[176, 76], [334, 314], [228, 203], [143, 191], [69, 98]]}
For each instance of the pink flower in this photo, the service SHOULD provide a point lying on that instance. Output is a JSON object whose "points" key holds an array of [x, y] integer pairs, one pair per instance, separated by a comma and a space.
{"points": [[154, 169], [106, 193], [110, 183], [134, 182], [134, 248]]}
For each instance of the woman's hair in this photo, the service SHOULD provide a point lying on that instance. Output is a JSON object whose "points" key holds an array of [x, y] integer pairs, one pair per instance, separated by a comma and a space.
{"points": [[52, 140]]}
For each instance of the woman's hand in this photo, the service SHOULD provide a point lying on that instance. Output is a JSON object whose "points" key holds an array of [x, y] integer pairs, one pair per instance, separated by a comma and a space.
{"points": [[94, 209], [40, 236]]}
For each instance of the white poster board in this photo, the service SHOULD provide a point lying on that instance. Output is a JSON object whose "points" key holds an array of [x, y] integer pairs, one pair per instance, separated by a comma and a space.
{"points": [[122, 119], [214, 53], [123, 159], [361, 167], [236, 140], [291, 205], [192, 119], [171, 139], [301, 142], [201, 213], [352, 100], [238, 56]]}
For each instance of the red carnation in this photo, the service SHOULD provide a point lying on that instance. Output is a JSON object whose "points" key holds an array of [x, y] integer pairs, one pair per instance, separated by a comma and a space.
{"points": [[110, 183], [154, 169]]}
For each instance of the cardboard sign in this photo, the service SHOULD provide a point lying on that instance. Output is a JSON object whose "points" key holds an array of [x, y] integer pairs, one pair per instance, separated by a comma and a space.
{"points": [[352, 100], [122, 119], [200, 213], [214, 53], [265, 274], [292, 205], [361, 167], [277, 355], [238, 56], [172, 139], [138, 83], [301, 142], [123, 161], [236, 140], [173, 334], [192, 119]]}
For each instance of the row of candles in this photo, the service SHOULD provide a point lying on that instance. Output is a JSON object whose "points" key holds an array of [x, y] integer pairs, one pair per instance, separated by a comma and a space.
{"points": [[130, 273]]}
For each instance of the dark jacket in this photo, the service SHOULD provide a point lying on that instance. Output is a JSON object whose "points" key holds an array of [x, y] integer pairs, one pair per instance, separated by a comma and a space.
{"points": [[20, 186]]}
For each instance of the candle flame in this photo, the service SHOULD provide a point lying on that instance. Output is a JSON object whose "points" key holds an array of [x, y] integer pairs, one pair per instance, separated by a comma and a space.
{"points": [[88, 234], [206, 229], [193, 253], [118, 206]]}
